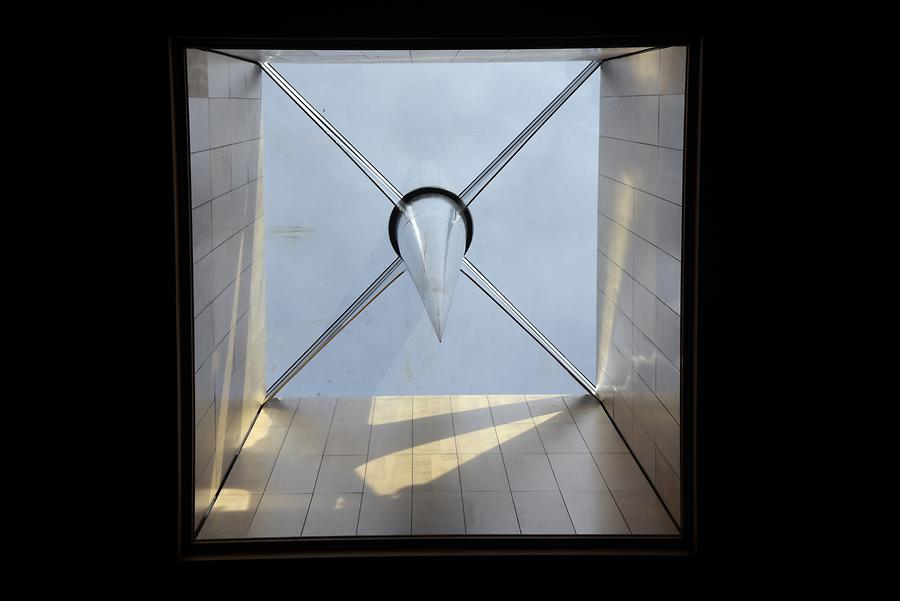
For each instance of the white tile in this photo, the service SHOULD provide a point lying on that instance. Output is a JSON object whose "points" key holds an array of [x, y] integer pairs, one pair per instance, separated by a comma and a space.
{"points": [[333, 514], [669, 486], [220, 170], [644, 305], [549, 409], [671, 121], [490, 513], [509, 409], [642, 443], [389, 474], [433, 434], [576, 472], [615, 284], [353, 411], [617, 117], [204, 441], [644, 513], [218, 75], [230, 517], [616, 201], [279, 516], [204, 333], [542, 513], [659, 222], [616, 242], [519, 437], [201, 228], [265, 440], [223, 225], [203, 390], [436, 473], [294, 474], [482, 473], [477, 441], [200, 178], [529, 471], [437, 513], [666, 433], [240, 164], [385, 515], [341, 474], [224, 312], [249, 474], [668, 386], [585, 408], [305, 440], [621, 472], [673, 68], [644, 358], [646, 119], [254, 79], [561, 438], [315, 412], [395, 437], [237, 78], [670, 175], [348, 440], [668, 333], [199, 123], [602, 438], [222, 119], [278, 412], [594, 512]]}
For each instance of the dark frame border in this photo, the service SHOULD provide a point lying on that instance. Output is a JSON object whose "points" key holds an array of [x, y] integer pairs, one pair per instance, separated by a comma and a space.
{"points": [[177, 180]]}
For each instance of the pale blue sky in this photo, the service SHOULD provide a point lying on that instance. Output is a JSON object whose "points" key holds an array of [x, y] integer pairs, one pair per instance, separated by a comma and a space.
{"points": [[535, 226]]}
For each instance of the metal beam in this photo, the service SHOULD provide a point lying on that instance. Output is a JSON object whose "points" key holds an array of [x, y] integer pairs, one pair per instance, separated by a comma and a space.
{"points": [[375, 176], [387, 277], [480, 280], [472, 191]]}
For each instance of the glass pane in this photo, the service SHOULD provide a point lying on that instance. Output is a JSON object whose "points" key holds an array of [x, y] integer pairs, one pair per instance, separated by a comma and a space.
{"points": [[430, 124], [326, 231], [536, 227], [391, 349]]}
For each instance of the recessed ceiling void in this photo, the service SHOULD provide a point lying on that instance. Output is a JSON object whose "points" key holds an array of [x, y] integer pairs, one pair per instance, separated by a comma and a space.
{"points": [[436, 125]]}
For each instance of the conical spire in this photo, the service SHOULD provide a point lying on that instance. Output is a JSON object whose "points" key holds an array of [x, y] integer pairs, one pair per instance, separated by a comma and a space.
{"points": [[431, 239]]}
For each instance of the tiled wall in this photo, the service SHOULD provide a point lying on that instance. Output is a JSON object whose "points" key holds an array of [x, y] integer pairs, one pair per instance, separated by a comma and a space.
{"points": [[639, 258], [225, 116]]}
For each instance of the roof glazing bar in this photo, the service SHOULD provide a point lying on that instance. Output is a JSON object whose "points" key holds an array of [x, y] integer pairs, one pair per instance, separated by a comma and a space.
{"points": [[381, 283], [472, 191], [381, 182], [480, 280]]}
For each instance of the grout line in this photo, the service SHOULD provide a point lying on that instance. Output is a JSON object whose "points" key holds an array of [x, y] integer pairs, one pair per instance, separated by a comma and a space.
{"points": [[657, 145], [366, 469], [639, 282], [608, 489], [274, 463], [512, 497], [462, 498], [634, 233], [211, 148], [321, 461], [552, 471]]}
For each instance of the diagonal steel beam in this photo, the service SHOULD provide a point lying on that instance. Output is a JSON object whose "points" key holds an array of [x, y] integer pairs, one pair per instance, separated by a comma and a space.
{"points": [[471, 192], [480, 280], [375, 176], [381, 283]]}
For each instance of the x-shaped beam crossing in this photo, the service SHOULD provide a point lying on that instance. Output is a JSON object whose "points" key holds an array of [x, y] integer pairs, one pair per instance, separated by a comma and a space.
{"points": [[397, 267]]}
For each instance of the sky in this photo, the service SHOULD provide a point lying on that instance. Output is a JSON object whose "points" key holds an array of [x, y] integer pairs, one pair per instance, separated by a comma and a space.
{"points": [[431, 124]]}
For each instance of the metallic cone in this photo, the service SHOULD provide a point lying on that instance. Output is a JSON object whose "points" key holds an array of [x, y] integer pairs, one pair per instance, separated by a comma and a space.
{"points": [[431, 236]]}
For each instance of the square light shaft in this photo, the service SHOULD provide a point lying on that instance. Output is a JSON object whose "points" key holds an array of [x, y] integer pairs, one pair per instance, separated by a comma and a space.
{"points": [[507, 156]]}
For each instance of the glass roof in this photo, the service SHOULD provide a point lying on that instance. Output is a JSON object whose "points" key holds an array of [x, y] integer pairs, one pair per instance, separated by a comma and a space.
{"points": [[431, 125]]}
